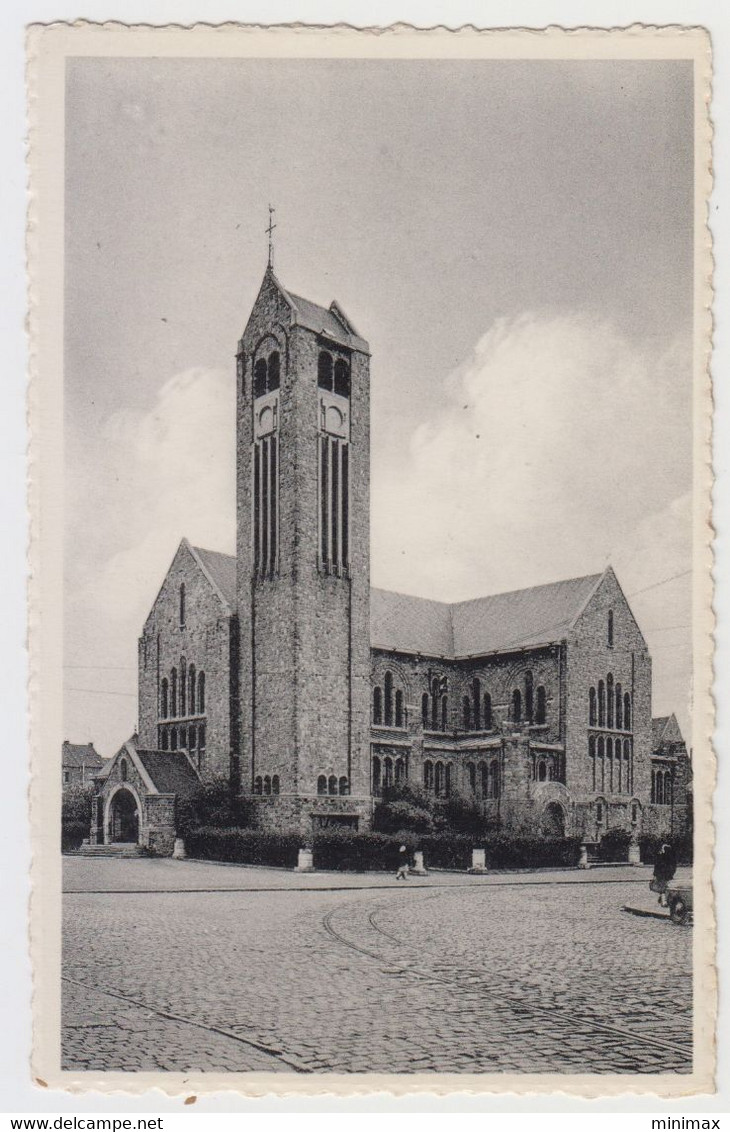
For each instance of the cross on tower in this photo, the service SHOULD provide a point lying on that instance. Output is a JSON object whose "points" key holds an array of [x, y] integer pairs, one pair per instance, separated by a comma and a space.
{"points": [[270, 231]]}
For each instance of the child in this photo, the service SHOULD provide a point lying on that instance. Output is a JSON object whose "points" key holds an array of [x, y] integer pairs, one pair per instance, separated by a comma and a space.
{"points": [[402, 873]]}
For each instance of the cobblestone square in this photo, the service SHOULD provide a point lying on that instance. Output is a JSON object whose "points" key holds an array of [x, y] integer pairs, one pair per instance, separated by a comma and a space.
{"points": [[183, 966]]}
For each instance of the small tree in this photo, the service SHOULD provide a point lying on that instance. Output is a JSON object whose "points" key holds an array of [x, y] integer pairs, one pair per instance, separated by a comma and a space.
{"points": [[460, 815], [403, 809], [76, 805], [215, 805]]}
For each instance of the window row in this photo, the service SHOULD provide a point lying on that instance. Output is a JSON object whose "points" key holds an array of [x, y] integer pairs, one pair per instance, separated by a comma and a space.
{"points": [[267, 374], [333, 784], [188, 737], [183, 693], [484, 778], [334, 376], [388, 706], [611, 764], [265, 505], [266, 785], [437, 777], [531, 709], [662, 787], [387, 772], [609, 706], [334, 502]]}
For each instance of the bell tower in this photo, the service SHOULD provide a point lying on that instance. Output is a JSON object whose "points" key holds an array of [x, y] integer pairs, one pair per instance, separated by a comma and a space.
{"points": [[303, 560]]}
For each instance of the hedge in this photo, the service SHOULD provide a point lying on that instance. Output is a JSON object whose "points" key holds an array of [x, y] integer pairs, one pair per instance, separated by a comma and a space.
{"points": [[650, 846], [73, 833], [614, 845], [244, 846]]}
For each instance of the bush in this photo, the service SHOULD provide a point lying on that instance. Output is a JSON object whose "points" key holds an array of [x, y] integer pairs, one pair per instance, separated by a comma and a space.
{"points": [[531, 852], [346, 851], [243, 846], [401, 814], [76, 805], [614, 845], [214, 805], [650, 845], [72, 834], [460, 815]]}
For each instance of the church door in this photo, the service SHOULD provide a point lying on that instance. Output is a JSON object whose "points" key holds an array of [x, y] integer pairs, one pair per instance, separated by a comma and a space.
{"points": [[553, 820], [124, 817]]}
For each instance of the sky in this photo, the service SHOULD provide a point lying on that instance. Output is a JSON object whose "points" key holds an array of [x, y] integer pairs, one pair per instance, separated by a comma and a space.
{"points": [[513, 238]]}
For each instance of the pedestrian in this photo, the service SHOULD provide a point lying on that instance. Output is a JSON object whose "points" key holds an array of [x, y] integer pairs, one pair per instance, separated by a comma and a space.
{"points": [[665, 867], [402, 873]]}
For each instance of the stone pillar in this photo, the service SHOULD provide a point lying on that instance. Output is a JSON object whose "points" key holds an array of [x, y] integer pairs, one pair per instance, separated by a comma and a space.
{"points": [[419, 869], [478, 861], [583, 859], [178, 849], [634, 853], [305, 861]]}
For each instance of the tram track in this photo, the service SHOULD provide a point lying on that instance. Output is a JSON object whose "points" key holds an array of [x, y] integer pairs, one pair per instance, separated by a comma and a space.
{"points": [[556, 1016]]}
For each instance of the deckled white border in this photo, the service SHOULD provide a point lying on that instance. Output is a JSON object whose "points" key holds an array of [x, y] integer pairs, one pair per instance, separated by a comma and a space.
{"points": [[47, 49]]}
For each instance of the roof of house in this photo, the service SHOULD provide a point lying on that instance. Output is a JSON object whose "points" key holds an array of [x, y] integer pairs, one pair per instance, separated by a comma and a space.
{"points": [[222, 569], [658, 727], [332, 322], [665, 729], [80, 754], [171, 771], [503, 622]]}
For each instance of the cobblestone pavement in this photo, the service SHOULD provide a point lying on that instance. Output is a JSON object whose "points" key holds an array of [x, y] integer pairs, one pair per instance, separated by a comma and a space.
{"points": [[266, 970]]}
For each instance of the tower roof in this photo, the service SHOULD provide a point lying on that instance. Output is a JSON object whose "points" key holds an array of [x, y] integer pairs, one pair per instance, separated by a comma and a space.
{"points": [[331, 322]]}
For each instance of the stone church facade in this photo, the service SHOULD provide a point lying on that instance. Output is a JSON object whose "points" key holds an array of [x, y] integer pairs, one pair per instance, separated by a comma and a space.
{"points": [[283, 669]]}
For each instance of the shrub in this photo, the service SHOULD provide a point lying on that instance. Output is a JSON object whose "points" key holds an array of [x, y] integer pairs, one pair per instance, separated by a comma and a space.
{"points": [[448, 852], [650, 845], [460, 815], [76, 805], [214, 805], [243, 846], [531, 852], [401, 814], [72, 834], [344, 850], [614, 845]]}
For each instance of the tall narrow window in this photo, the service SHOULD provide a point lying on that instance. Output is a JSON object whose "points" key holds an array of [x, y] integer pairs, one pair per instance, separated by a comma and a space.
{"points": [[592, 757], [540, 713], [259, 378], [274, 373], [619, 708], [173, 692], [471, 771], [183, 686], [377, 706], [487, 711], [601, 704], [628, 776], [335, 448], [201, 746], [400, 770], [344, 785], [424, 710], [476, 699], [610, 628], [467, 713], [444, 712], [324, 514], [164, 699], [192, 690], [601, 763], [399, 714], [609, 761], [376, 774], [324, 371], [516, 706], [653, 786], [266, 505], [334, 506], [494, 778], [342, 378], [201, 692], [529, 699], [660, 788], [182, 605], [428, 774], [447, 780], [388, 712], [439, 778], [592, 714], [275, 784], [257, 507], [627, 711], [388, 765], [609, 700], [434, 704], [484, 779]]}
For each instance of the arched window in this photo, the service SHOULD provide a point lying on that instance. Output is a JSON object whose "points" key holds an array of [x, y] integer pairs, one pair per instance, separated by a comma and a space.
{"points": [[627, 711], [388, 700], [201, 692], [182, 605], [164, 739], [376, 774], [201, 744], [275, 784], [274, 374], [627, 766], [173, 692], [609, 757], [267, 784], [192, 686], [183, 686], [344, 785], [488, 722], [399, 718], [634, 812], [592, 715], [660, 788], [123, 770], [601, 704], [424, 710], [163, 699], [601, 751], [377, 706], [653, 786], [388, 771], [476, 699], [541, 771], [516, 706], [332, 784], [592, 757], [259, 378], [540, 714], [173, 739], [258, 785], [484, 779], [494, 778], [439, 778], [428, 774], [447, 780], [619, 767], [599, 813], [668, 789], [444, 713], [324, 371], [610, 628], [322, 784], [471, 772], [182, 738], [400, 771], [434, 703], [342, 378], [467, 713], [619, 708], [529, 699], [609, 700]]}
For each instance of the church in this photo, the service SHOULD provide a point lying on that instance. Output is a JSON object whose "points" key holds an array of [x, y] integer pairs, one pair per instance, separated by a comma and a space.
{"points": [[283, 670]]}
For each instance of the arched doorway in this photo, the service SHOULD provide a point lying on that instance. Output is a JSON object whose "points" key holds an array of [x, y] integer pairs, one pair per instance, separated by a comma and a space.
{"points": [[553, 820], [124, 817]]}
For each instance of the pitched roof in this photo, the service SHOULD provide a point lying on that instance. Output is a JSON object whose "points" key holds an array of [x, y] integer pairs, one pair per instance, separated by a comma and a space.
{"points": [[498, 623], [332, 321], [222, 569], [171, 771], [658, 727], [80, 754]]}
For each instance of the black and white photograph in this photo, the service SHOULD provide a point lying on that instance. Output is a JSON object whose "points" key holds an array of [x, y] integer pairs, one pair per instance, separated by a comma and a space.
{"points": [[372, 596]]}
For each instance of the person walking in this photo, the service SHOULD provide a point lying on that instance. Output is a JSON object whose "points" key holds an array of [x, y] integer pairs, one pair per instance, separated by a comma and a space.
{"points": [[402, 873], [665, 867]]}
